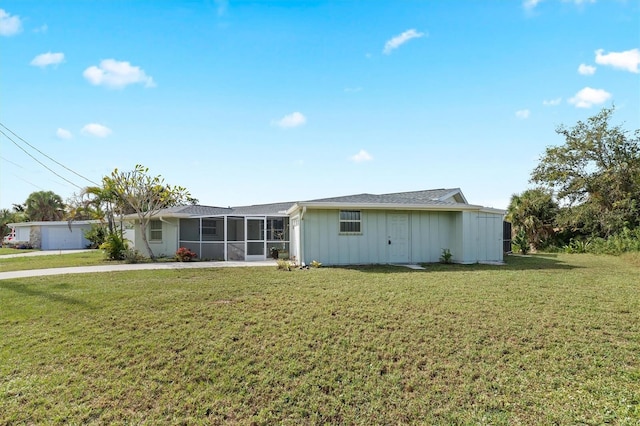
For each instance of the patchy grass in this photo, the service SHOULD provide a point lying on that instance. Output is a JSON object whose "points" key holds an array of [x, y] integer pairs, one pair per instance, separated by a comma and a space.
{"points": [[63, 260], [549, 339]]}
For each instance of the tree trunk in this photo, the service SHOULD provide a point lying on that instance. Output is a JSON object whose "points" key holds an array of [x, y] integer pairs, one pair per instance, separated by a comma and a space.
{"points": [[143, 230]]}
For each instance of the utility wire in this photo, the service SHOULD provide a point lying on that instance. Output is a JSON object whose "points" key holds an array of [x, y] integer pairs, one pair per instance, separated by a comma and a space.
{"points": [[42, 153], [39, 162]]}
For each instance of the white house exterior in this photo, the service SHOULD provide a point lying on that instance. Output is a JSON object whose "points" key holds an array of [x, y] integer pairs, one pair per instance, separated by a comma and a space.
{"points": [[53, 235], [406, 227]]}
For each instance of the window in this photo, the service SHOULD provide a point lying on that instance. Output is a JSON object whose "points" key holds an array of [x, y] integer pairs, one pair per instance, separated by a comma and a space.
{"points": [[155, 230], [209, 229], [350, 222]]}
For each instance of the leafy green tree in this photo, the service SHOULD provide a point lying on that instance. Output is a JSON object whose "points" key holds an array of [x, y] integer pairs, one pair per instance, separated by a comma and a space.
{"points": [[9, 216], [595, 174], [533, 215], [44, 206], [144, 194]]}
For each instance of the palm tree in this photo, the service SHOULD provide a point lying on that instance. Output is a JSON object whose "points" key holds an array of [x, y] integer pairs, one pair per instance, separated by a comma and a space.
{"points": [[533, 214], [44, 206]]}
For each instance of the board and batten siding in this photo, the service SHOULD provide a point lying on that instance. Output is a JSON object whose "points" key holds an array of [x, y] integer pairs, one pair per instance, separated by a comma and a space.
{"points": [[481, 237], [429, 233]]}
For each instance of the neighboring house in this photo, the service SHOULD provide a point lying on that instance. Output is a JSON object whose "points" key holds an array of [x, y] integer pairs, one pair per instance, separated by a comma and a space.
{"points": [[54, 235], [405, 227]]}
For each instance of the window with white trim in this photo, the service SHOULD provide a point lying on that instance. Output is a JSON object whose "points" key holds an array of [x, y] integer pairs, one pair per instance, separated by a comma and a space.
{"points": [[350, 222], [155, 230]]}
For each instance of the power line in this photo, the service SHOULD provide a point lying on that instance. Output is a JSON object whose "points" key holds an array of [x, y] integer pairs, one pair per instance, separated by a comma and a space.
{"points": [[42, 153], [38, 161]]}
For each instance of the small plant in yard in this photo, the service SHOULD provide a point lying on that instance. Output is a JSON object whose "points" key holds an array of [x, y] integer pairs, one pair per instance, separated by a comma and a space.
{"points": [[315, 264], [183, 254], [284, 265], [114, 246], [446, 256], [133, 256], [521, 242]]}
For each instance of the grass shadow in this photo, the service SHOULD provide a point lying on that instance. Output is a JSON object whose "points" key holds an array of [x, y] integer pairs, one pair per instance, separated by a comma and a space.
{"points": [[544, 261], [25, 290]]}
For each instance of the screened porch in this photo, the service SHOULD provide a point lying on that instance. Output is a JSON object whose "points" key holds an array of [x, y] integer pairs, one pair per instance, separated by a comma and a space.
{"points": [[236, 238]]}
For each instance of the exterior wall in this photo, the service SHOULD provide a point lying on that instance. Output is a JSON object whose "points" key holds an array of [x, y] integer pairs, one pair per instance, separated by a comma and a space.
{"points": [[482, 237], [429, 233], [470, 236], [60, 237], [169, 244], [22, 233]]}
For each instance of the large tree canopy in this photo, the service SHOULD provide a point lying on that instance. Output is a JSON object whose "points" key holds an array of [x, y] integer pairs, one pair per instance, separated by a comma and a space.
{"points": [[144, 194], [595, 174], [44, 206]]}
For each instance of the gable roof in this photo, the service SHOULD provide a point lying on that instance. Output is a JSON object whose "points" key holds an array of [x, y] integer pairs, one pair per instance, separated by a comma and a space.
{"points": [[435, 199]]}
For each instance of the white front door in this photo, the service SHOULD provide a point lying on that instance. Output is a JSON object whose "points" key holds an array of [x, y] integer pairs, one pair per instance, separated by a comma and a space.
{"points": [[398, 237]]}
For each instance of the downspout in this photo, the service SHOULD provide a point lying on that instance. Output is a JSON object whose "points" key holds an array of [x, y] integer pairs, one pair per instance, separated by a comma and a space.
{"points": [[302, 238]]}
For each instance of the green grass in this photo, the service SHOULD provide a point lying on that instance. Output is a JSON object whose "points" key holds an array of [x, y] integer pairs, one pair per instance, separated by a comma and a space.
{"points": [[90, 258], [547, 339], [7, 250]]}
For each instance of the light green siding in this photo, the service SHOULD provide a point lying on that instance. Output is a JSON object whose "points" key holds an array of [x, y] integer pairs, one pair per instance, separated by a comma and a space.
{"points": [[470, 236], [166, 247]]}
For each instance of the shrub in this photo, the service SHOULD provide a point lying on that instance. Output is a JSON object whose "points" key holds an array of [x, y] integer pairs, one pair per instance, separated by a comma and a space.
{"points": [[520, 242], [284, 265], [315, 264], [96, 235], [183, 254], [114, 246], [132, 256], [446, 256]]}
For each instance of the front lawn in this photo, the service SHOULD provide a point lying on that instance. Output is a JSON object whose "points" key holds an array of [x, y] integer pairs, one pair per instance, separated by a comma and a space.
{"points": [[543, 340], [10, 250], [56, 260]]}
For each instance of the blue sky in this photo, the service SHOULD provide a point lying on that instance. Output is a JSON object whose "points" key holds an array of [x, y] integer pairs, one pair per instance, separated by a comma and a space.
{"points": [[257, 102]]}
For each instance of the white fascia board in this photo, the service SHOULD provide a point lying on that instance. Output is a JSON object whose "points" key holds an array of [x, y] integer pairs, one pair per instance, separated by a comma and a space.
{"points": [[52, 223], [457, 191], [382, 206]]}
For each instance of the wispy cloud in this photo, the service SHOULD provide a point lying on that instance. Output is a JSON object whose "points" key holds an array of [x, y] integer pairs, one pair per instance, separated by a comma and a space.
{"points": [[295, 119], [585, 69], [95, 129], [41, 29], [552, 102], [530, 4], [352, 89], [523, 113], [63, 133], [361, 157], [401, 39], [9, 24], [588, 97], [47, 59], [627, 60], [117, 74]]}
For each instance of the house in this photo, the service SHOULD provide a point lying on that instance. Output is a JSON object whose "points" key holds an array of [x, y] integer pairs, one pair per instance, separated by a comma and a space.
{"points": [[404, 227], [52, 235]]}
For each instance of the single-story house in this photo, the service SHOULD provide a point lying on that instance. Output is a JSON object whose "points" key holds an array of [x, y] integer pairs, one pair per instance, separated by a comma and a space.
{"points": [[404, 227], [52, 235]]}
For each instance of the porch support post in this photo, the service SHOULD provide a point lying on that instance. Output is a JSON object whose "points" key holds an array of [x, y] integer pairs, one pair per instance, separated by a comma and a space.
{"points": [[225, 238]]}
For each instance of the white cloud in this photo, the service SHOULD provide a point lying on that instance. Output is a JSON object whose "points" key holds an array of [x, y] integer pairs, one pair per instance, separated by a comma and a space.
{"points": [[63, 133], [552, 102], [627, 60], [294, 119], [47, 59], [9, 25], [523, 113], [585, 69], [401, 39], [361, 156], [42, 29], [117, 74], [95, 129], [530, 4], [588, 97]]}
